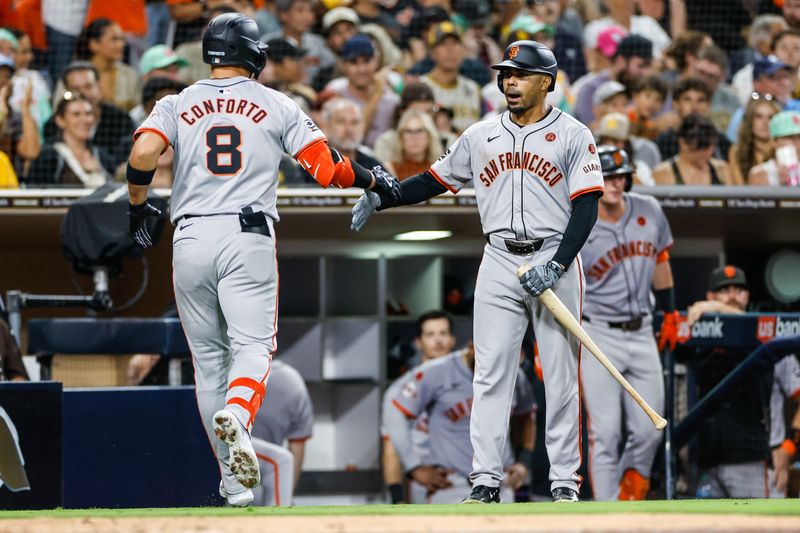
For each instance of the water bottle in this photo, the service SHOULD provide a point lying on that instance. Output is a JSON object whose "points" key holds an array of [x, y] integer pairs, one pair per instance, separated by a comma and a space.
{"points": [[704, 490], [786, 157]]}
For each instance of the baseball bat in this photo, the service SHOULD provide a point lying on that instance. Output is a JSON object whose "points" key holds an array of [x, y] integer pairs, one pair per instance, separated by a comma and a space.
{"points": [[565, 318]]}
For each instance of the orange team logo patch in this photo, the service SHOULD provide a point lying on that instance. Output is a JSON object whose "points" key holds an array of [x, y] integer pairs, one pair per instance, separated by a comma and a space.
{"points": [[550, 137], [617, 157], [513, 52], [592, 149], [730, 271], [641, 221]]}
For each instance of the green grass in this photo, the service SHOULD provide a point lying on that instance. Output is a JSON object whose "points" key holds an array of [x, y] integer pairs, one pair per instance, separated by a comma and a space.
{"points": [[749, 507]]}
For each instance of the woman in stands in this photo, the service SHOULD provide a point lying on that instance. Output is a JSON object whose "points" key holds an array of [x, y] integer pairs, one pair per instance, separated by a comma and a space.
{"points": [[753, 145], [72, 161], [417, 145]]}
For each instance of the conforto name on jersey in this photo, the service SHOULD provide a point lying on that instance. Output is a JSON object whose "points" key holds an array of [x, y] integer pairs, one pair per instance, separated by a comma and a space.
{"points": [[228, 106]]}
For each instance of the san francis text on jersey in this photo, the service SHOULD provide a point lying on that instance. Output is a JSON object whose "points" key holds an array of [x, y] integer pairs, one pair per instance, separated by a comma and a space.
{"points": [[520, 161], [228, 106]]}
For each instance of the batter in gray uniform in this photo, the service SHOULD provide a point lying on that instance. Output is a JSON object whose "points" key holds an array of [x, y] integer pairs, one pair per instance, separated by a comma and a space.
{"points": [[442, 390], [625, 257], [537, 183], [228, 134]]}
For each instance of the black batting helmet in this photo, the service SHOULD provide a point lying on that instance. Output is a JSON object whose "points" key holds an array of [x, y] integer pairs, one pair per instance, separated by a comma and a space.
{"points": [[531, 57], [614, 162], [231, 40]]}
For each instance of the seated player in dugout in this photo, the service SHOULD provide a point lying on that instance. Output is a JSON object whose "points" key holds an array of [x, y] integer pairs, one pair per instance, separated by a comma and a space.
{"points": [[434, 339]]}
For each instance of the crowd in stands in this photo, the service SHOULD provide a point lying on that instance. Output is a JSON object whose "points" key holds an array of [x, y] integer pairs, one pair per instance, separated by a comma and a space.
{"points": [[699, 93]]}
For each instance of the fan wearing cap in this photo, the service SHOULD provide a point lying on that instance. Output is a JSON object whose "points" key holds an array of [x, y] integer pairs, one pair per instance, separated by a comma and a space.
{"points": [[366, 84], [738, 440], [598, 55], [772, 79], [614, 130], [631, 62], [610, 97], [287, 72], [621, 13], [568, 24], [784, 130], [451, 89], [297, 18], [694, 164], [158, 61], [474, 18]]}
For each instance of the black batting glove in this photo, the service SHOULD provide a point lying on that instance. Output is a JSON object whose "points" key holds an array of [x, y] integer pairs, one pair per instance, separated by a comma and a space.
{"points": [[138, 215], [386, 186]]}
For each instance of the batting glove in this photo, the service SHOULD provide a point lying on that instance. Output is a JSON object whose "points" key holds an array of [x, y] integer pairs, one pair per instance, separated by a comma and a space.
{"points": [[541, 277], [668, 336], [386, 185], [138, 215], [364, 208]]}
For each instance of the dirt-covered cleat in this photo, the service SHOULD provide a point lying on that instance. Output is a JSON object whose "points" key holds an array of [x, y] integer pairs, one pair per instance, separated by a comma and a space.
{"points": [[242, 457]]}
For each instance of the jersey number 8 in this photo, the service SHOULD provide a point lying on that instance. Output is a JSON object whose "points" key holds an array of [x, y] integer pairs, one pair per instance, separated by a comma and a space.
{"points": [[223, 157]]}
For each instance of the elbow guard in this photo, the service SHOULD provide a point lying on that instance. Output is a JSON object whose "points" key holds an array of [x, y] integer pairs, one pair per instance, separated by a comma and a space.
{"points": [[326, 165]]}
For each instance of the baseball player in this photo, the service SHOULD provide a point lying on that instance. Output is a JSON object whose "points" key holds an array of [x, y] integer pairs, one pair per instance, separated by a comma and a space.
{"points": [[626, 255], [537, 182], [228, 133], [442, 389], [290, 417], [785, 384], [434, 339]]}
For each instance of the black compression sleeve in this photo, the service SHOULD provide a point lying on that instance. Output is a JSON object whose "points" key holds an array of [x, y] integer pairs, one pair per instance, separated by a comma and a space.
{"points": [[363, 177], [414, 190], [665, 298], [581, 222]]}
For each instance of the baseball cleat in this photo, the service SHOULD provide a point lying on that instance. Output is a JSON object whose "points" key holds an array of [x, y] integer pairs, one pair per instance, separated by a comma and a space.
{"points": [[242, 461], [483, 494], [240, 499], [564, 494]]}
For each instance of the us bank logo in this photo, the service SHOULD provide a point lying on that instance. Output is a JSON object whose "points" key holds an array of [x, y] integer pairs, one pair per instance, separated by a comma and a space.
{"points": [[770, 327], [702, 329]]}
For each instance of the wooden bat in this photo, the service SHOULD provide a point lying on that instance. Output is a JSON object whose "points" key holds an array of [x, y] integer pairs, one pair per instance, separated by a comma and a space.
{"points": [[565, 318]]}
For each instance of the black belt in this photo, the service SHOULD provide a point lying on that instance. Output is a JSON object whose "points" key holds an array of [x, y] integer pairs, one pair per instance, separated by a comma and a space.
{"points": [[517, 247], [634, 324], [250, 221]]}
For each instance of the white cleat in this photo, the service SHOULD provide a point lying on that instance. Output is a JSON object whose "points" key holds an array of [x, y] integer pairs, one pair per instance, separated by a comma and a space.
{"points": [[240, 499], [243, 460]]}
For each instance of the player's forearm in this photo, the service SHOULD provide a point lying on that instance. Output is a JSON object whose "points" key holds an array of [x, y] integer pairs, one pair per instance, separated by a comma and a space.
{"points": [[581, 222], [399, 430], [392, 467], [414, 190], [137, 194], [298, 450], [664, 287], [29, 146]]}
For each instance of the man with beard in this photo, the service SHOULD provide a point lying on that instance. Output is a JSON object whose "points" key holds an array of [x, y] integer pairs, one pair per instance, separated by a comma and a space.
{"points": [[631, 63], [343, 122], [537, 181]]}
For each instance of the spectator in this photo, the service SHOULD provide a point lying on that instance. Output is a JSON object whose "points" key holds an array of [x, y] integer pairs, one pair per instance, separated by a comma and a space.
{"points": [[610, 97], [476, 26], [366, 85], [621, 13], [338, 25], [683, 53], [614, 129], [161, 61], [416, 148], [114, 128], [598, 57], [72, 160], [694, 164], [786, 47], [648, 98], [711, 66], [415, 36], [8, 43], [568, 45], [754, 144], [63, 22], [343, 123], [690, 95], [40, 97], [103, 44], [791, 12], [288, 76], [297, 17], [19, 135], [191, 17], [372, 12], [784, 130], [131, 17], [450, 88], [762, 33], [630, 63], [11, 366], [389, 55], [773, 77], [415, 95], [734, 442]]}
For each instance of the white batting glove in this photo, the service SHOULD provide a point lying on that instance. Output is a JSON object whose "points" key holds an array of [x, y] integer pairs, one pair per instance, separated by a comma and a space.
{"points": [[364, 209]]}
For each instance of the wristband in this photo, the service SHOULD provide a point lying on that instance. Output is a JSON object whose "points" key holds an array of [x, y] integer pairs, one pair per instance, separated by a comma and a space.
{"points": [[363, 177], [396, 493], [139, 177]]}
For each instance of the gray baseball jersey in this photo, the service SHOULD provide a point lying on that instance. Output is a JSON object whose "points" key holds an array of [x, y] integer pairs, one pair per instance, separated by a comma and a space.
{"points": [[288, 413], [419, 442], [619, 259], [785, 384], [442, 388], [525, 178], [228, 135]]}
